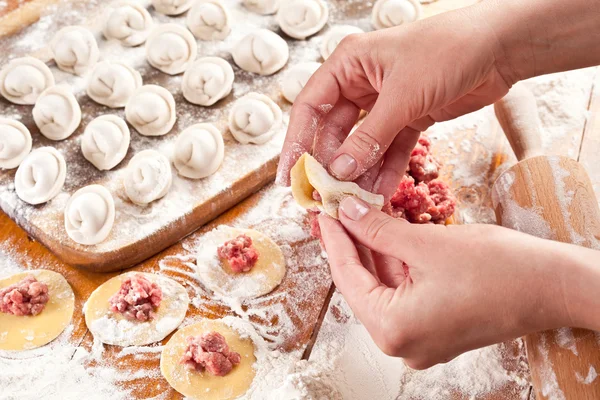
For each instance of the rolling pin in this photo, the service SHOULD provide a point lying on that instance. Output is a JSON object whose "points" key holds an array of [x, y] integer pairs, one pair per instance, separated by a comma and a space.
{"points": [[549, 197]]}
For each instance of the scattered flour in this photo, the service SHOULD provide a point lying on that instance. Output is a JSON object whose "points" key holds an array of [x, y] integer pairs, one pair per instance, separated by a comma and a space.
{"points": [[591, 376]]}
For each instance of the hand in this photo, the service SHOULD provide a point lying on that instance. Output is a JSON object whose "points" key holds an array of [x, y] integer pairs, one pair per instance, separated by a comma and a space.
{"points": [[467, 286]]}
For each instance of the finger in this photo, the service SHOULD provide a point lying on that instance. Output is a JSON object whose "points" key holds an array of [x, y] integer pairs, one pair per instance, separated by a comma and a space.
{"points": [[367, 180], [367, 259]]}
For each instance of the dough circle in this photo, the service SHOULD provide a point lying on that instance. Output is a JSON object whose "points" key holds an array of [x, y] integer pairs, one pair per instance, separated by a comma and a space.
{"points": [[113, 328], [75, 49], [57, 113], [266, 275], [390, 13], [264, 7], [295, 79], [203, 385], [15, 143], [209, 20], [334, 36], [254, 118], [128, 22], [30, 332], [199, 151], [41, 175], [113, 83], [171, 48], [23, 79], [263, 52], [302, 18], [147, 177], [105, 141], [151, 110], [172, 7], [90, 215], [207, 81]]}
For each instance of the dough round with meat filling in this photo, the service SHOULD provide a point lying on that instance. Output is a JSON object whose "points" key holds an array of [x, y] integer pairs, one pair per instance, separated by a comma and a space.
{"points": [[128, 22], [254, 118], [171, 48], [199, 151], [263, 52], [57, 113], [23, 79], [209, 20], [302, 18], [15, 143], [148, 177], [74, 49], [113, 83], [105, 141], [90, 215], [390, 13], [207, 80], [41, 176], [151, 110]]}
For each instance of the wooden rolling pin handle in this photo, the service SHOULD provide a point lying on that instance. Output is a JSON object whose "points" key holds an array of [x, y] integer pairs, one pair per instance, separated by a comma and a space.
{"points": [[518, 116]]}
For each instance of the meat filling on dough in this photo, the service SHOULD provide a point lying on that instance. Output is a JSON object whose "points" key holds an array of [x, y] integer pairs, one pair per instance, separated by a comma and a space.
{"points": [[28, 297], [210, 352], [239, 253], [137, 299]]}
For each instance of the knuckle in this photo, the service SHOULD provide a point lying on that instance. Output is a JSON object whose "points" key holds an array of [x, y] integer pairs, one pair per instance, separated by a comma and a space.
{"points": [[365, 142], [376, 228], [350, 41]]}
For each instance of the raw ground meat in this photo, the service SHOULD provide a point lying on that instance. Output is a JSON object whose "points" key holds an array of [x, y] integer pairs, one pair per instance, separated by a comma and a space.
{"points": [[137, 299], [240, 253], [210, 352], [422, 165], [28, 297]]}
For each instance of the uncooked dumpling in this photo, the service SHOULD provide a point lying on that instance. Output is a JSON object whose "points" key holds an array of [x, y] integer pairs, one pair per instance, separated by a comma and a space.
{"points": [[112, 83], [105, 141], [264, 7], [263, 52], [90, 215], [334, 36], [22, 80], [207, 81], [209, 20], [172, 7], [15, 143], [302, 18], [75, 49], [128, 22], [57, 113], [148, 177], [254, 118], [151, 110], [295, 78], [389, 13], [199, 151], [171, 48], [41, 175]]}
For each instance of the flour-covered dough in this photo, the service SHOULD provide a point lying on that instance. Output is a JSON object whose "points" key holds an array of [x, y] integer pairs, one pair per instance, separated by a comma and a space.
{"points": [[74, 49], [302, 18], [113, 328], [90, 215], [254, 118], [295, 78], [309, 175], [112, 83], [15, 143], [264, 7], [209, 20], [41, 175], [171, 48], [23, 79], [30, 332], [207, 81], [148, 177], [390, 13], [128, 22], [57, 113], [334, 36], [151, 110], [105, 141], [263, 52], [199, 151], [172, 7]]}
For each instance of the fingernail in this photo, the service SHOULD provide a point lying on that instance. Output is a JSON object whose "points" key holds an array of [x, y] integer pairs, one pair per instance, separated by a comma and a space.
{"points": [[343, 166], [354, 208]]}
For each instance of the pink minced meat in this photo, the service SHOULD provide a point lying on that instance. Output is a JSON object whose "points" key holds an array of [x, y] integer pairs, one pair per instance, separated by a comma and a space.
{"points": [[422, 203], [240, 253], [423, 167], [137, 299], [28, 297], [210, 352]]}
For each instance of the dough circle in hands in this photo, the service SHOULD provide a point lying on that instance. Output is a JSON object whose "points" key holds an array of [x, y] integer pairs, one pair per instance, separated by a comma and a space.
{"points": [[41, 175], [264, 7], [57, 113], [90, 215], [30, 332], [15, 143], [254, 118], [74, 49], [113, 83], [199, 151], [266, 275], [263, 52], [151, 110], [390, 13], [23, 79], [105, 141], [171, 48], [334, 36], [308, 175], [302, 18], [203, 385], [209, 20], [128, 22], [113, 328], [295, 79], [148, 177], [172, 7], [207, 81]]}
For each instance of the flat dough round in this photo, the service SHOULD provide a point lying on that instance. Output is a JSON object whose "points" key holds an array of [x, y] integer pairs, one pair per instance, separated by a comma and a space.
{"points": [[302, 18], [266, 275], [203, 385], [262, 52], [30, 332], [296, 78], [127, 22], [151, 110], [172, 7], [112, 83], [15, 143], [41, 175], [171, 48], [75, 49], [114, 328], [207, 81], [57, 113], [23, 79], [209, 20], [390, 13]]}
